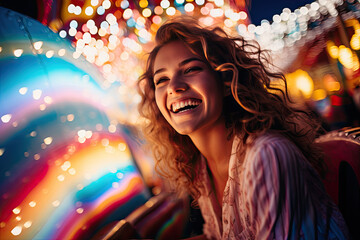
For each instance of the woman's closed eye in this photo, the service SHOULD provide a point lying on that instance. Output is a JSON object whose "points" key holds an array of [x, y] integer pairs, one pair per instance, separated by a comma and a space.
{"points": [[161, 80], [192, 69]]}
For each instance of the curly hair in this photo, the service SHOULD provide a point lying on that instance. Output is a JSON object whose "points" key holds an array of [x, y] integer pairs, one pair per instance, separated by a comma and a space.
{"points": [[254, 106]]}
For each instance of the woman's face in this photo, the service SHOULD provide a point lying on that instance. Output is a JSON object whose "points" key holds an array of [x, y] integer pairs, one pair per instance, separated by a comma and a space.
{"points": [[187, 91]]}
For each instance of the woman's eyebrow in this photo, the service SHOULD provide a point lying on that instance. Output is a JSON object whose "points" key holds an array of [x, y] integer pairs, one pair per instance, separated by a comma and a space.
{"points": [[159, 71], [190, 60], [180, 64]]}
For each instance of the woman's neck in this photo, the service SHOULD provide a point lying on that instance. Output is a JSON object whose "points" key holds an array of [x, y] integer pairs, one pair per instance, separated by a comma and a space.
{"points": [[215, 146]]}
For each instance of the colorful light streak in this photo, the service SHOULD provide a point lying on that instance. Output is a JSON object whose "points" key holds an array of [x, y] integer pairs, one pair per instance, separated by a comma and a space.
{"points": [[66, 169], [104, 179]]}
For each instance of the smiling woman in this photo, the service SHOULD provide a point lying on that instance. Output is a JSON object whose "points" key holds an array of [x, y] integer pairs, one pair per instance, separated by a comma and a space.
{"points": [[221, 132]]}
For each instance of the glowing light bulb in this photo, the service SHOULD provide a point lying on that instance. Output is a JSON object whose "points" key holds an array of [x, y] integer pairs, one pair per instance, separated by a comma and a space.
{"points": [[171, 11], [219, 3], [165, 4], [77, 10], [94, 2], [106, 4], [72, 171], [200, 2], [100, 10], [304, 82], [37, 94], [90, 23], [105, 142], [80, 210], [48, 100], [71, 8], [122, 147], [16, 210], [70, 117], [355, 41], [112, 128], [23, 90], [74, 24], [62, 33], [6, 118], [72, 31], [66, 165], [16, 230], [42, 107], [27, 224], [81, 133], [49, 54], [345, 56], [119, 175], [89, 11], [146, 12], [158, 10], [127, 13], [143, 3], [18, 52], [189, 7], [48, 140], [332, 49], [38, 45], [56, 203], [61, 178]]}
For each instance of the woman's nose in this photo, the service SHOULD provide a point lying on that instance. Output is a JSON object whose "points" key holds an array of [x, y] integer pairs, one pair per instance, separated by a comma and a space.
{"points": [[177, 85]]}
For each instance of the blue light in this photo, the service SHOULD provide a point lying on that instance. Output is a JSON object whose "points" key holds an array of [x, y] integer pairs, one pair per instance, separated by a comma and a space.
{"points": [[124, 4], [131, 22], [74, 24], [100, 10]]}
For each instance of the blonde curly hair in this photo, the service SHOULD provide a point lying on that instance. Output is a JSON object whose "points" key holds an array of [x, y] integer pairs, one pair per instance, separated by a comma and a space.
{"points": [[254, 106]]}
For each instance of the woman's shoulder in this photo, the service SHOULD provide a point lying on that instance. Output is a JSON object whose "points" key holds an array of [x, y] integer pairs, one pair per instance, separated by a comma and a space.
{"points": [[269, 139], [272, 147]]}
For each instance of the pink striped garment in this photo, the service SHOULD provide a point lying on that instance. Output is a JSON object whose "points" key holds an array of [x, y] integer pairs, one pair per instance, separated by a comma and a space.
{"points": [[273, 194]]}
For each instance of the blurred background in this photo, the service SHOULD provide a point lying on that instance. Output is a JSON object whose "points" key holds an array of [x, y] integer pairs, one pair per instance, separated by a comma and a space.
{"points": [[71, 156]]}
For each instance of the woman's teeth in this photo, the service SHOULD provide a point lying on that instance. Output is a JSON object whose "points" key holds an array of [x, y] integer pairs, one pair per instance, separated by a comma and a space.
{"points": [[184, 105]]}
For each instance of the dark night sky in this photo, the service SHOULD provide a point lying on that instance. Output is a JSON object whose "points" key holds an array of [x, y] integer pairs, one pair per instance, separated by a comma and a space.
{"points": [[266, 9], [259, 10]]}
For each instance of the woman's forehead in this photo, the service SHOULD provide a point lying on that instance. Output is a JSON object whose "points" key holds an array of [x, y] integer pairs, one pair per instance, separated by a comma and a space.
{"points": [[172, 53]]}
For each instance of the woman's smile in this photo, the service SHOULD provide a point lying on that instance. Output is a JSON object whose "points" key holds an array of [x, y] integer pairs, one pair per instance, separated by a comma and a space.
{"points": [[184, 105]]}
